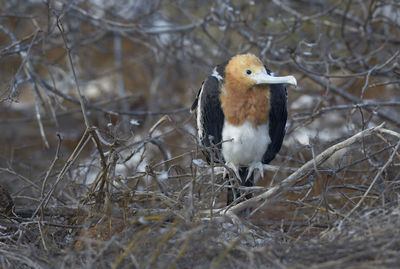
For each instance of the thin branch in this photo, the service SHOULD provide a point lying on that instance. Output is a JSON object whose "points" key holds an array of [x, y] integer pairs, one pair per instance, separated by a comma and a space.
{"points": [[282, 187], [383, 168], [353, 98], [82, 99]]}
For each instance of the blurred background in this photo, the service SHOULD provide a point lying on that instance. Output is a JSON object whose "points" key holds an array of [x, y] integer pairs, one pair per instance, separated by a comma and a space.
{"points": [[139, 64]]}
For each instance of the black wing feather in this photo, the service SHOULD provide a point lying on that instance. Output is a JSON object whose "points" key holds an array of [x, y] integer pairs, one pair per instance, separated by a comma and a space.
{"points": [[196, 101], [212, 116], [277, 121]]}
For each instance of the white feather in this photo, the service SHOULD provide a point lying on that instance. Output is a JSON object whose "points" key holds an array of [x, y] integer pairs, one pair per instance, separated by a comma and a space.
{"points": [[200, 130], [217, 75], [248, 143]]}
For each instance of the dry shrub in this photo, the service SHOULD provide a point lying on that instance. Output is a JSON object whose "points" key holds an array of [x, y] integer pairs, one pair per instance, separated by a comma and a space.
{"points": [[98, 150]]}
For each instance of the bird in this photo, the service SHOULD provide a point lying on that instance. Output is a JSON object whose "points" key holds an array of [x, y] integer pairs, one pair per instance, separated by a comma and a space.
{"points": [[241, 114]]}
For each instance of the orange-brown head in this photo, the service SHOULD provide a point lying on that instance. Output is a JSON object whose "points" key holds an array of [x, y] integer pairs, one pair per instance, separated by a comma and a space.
{"points": [[245, 94], [244, 71]]}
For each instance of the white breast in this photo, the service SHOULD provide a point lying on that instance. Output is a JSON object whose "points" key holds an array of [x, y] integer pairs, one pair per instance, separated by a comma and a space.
{"points": [[248, 143]]}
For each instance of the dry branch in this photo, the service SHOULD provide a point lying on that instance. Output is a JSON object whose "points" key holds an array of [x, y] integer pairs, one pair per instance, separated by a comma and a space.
{"points": [[282, 187], [131, 183]]}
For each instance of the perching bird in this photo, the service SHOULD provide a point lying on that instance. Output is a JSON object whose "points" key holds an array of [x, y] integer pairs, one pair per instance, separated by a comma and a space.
{"points": [[241, 114]]}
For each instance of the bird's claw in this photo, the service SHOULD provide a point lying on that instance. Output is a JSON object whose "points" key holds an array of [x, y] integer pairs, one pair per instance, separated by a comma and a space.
{"points": [[234, 168], [255, 166]]}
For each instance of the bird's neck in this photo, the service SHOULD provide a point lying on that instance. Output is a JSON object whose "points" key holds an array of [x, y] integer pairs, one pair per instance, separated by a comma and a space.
{"points": [[251, 104]]}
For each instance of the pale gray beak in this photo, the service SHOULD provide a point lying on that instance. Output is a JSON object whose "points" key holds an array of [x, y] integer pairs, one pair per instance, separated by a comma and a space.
{"points": [[264, 78]]}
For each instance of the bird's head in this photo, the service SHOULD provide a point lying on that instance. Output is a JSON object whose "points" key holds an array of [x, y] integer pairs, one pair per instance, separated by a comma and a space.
{"points": [[245, 71]]}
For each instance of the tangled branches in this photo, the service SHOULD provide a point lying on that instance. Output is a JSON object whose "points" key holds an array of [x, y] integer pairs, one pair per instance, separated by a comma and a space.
{"points": [[99, 156]]}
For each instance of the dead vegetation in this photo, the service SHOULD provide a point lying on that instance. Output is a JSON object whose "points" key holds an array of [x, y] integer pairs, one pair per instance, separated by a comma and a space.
{"points": [[99, 159]]}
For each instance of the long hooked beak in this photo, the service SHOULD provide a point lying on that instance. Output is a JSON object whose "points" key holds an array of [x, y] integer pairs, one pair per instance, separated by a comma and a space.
{"points": [[264, 78]]}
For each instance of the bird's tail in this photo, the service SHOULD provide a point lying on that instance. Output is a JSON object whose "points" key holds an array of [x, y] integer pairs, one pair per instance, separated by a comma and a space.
{"points": [[234, 193]]}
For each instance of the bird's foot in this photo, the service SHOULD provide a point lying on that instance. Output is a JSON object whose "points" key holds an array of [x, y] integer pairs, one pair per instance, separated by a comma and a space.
{"points": [[234, 168], [255, 166]]}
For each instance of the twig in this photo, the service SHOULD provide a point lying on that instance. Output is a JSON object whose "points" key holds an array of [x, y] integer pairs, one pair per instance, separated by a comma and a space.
{"points": [[105, 110], [81, 97], [27, 180], [352, 98], [78, 149], [283, 186], [374, 180], [46, 177]]}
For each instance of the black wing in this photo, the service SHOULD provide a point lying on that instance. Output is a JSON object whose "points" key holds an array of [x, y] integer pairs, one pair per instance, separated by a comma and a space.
{"points": [[277, 120], [210, 118]]}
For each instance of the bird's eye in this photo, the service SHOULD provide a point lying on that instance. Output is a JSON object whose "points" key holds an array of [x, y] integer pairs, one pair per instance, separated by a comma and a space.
{"points": [[248, 72]]}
